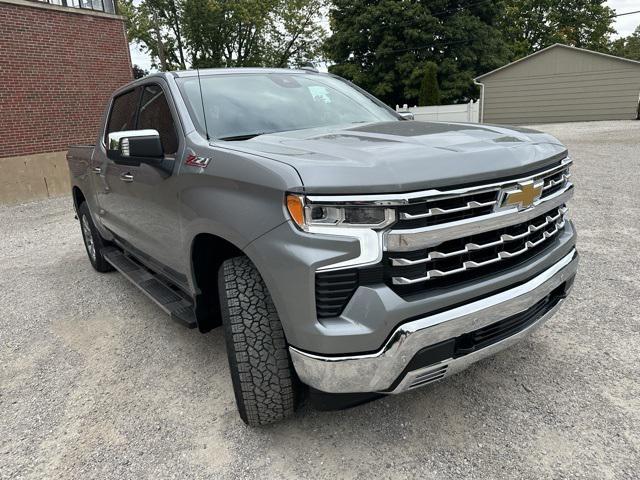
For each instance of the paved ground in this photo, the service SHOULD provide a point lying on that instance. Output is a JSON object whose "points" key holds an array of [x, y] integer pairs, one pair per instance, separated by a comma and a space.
{"points": [[96, 382]]}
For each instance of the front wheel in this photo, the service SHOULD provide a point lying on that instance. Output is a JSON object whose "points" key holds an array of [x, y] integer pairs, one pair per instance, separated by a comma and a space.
{"points": [[93, 241], [264, 382]]}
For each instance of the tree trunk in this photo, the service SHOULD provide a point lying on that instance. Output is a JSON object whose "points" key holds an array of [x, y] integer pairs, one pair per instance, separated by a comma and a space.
{"points": [[161, 55]]}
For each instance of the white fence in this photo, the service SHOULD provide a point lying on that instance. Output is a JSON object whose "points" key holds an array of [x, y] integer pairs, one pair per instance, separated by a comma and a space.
{"points": [[462, 112]]}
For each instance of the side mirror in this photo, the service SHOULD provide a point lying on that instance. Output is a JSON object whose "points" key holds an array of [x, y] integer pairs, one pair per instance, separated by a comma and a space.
{"points": [[133, 147], [407, 115]]}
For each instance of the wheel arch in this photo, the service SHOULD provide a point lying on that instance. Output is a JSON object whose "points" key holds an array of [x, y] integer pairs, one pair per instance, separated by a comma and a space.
{"points": [[78, 197], [207, 253]]}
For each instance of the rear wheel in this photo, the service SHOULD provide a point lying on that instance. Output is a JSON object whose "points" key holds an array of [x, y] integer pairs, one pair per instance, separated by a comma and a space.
{"points": [[264, 380], [93, 241]]}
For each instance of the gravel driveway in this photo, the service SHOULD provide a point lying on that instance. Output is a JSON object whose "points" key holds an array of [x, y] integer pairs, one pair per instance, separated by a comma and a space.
{"points": [[97, 382]]}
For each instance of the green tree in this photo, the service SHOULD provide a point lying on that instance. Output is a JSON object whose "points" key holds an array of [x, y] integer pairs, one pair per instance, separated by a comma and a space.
{"points": [[276, 33], [627, 47], [383, 45], [226, 33], [531, 25], [429, 88], [156, 27], [296, 34], [139, 72]]}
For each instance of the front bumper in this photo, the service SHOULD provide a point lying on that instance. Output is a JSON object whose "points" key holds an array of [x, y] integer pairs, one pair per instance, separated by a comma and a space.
{"points": [[389, 369]]}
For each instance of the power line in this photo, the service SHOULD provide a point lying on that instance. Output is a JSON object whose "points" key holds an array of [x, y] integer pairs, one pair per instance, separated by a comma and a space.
{"points": [[474, 4], [418, 21], [420, 47], [460, 7], [623, 14], [455, 42], [435, 44]]}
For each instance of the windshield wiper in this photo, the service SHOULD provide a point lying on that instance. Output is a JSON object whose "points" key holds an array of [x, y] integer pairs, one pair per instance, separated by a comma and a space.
{"points": [[246, 136]]}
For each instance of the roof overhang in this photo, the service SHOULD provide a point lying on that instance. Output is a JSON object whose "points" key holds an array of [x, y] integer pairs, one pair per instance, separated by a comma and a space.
{"points": [[554, 46]]}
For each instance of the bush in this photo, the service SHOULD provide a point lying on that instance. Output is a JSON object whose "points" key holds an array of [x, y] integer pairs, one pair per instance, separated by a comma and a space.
{"points": [[429, 89]]}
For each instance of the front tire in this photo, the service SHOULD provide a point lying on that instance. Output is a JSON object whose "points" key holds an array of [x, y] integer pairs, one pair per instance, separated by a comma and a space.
{"points": [[93, 241], [264, 381]]}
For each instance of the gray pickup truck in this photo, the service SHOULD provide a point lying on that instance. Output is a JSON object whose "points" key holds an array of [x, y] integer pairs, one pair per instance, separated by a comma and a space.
{"points": [[347, 251]]}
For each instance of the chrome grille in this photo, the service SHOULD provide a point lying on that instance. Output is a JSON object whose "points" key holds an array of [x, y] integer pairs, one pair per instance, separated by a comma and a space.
{"points": [[447, 210], [460, 255], [443, 238], [446, 207], [555, 182]]}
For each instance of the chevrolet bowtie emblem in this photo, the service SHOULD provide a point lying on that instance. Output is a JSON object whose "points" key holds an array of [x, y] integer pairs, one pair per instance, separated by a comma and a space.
{"points": [[523, 196]]}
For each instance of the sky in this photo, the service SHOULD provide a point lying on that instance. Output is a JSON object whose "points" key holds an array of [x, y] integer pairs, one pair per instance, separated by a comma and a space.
{"points": [[624, 26], [627, 24]]}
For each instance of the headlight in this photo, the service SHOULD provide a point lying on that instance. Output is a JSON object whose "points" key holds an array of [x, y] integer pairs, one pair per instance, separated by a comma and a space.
{"points": [[363, 222], [309, 215]]}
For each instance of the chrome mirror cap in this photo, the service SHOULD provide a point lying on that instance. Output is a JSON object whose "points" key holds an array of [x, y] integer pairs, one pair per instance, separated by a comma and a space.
{"points": [[117, 140]]}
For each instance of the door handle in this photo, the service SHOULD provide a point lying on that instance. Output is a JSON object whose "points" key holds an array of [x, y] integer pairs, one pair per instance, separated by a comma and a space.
{"points": [[126, 177], [97, 170]]}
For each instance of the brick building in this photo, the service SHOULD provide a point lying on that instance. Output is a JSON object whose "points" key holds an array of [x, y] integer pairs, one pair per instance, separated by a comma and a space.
{"points": [[59, 62]]}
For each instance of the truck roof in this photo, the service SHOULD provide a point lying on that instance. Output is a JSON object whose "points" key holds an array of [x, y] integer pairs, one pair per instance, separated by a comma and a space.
{"points": [[223, 71], [214, 71]]}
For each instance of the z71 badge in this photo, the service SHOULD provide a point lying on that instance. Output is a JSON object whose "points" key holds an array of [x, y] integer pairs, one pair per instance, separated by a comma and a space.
{"points": [[195, 161]]}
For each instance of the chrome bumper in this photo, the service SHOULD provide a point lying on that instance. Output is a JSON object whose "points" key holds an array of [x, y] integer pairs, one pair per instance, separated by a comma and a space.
{"points": [[377, 372]]}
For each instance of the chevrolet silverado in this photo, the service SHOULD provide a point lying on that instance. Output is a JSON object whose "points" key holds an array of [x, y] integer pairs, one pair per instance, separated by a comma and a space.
{"points": [[346, 251]]}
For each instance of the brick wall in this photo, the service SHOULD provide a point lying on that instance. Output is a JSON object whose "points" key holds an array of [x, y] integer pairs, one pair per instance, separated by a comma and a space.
{"points": [[57, 72]]}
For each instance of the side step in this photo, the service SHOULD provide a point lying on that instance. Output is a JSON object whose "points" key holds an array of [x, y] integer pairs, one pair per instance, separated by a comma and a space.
{"points": [[179, 307]]}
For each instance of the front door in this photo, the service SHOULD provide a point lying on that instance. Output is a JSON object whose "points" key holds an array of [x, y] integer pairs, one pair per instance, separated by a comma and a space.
{"points": [[142, 199], [111, 177]]}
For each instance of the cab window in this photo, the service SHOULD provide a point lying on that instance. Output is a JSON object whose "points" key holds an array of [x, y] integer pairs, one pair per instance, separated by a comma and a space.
{"points": [[123, 112], [155, 114]]}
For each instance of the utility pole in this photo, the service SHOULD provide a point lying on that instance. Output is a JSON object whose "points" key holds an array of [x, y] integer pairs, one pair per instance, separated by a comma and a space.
{"points": [[161, 55]]}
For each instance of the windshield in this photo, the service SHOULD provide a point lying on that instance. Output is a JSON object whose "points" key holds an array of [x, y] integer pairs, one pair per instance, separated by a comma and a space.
{"points": [[245, 105]]}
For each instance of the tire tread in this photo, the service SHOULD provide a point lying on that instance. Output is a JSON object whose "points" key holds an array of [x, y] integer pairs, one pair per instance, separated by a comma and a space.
{"points": [[263, 377]]}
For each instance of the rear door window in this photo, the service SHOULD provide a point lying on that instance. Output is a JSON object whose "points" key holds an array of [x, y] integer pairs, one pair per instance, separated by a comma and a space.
{"points": [[123, 112], [156, 114]]}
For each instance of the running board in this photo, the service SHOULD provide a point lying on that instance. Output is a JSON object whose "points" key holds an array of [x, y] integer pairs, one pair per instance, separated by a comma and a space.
{"points": [[178, 307]]}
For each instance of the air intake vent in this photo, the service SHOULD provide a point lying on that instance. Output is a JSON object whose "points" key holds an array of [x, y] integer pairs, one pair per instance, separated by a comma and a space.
{"points": [[333, 291], [430, 376], [509, 326]]}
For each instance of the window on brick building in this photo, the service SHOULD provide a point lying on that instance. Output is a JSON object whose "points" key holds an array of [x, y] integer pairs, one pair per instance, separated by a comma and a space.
{"points": [[98, 5], [123, 112], [155, 114]]}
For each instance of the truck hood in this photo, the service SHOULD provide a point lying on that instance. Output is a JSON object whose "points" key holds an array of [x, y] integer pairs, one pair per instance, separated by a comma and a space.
{"points": [[405, 156]]}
